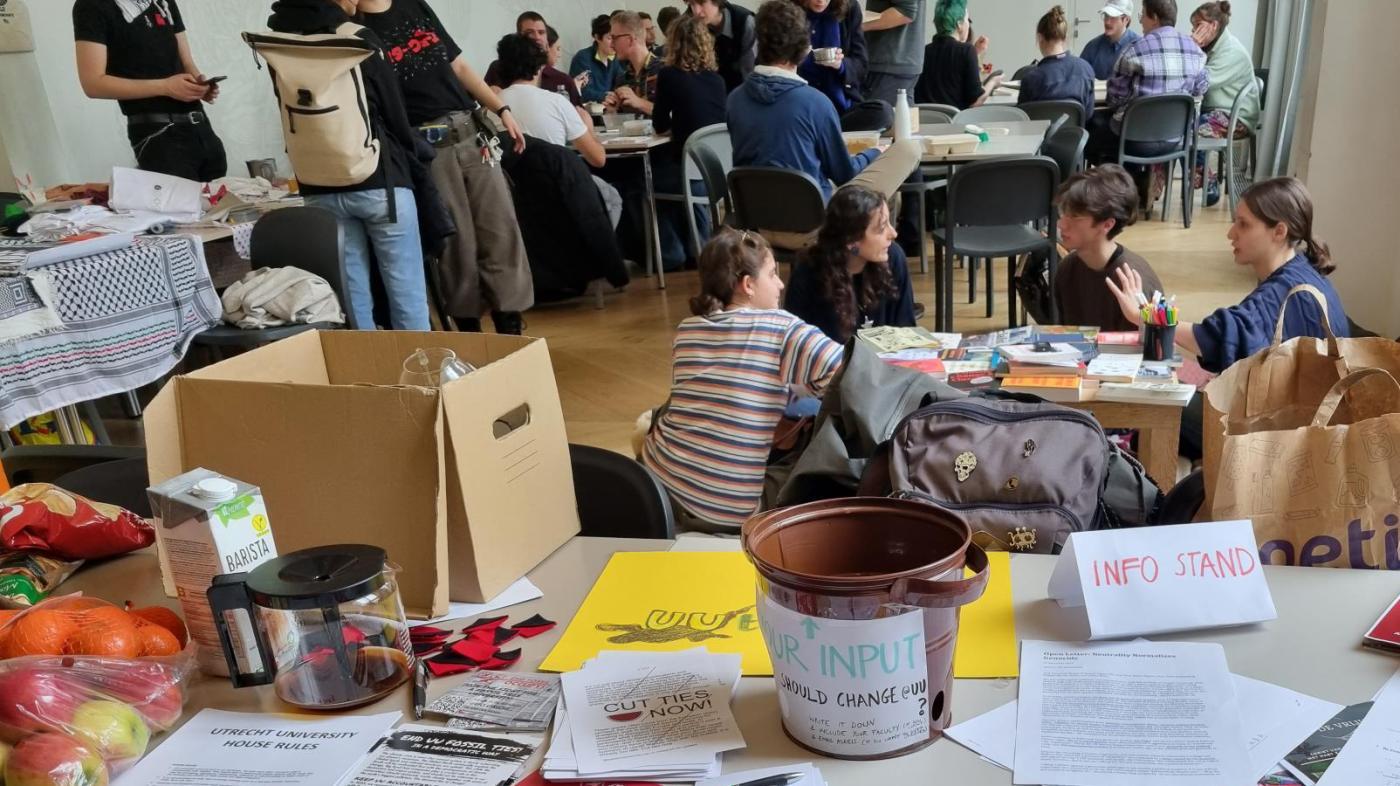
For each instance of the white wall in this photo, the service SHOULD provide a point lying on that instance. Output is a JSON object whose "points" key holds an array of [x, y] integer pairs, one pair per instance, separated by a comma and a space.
{"points": [[53, 131], [1348, 160]]}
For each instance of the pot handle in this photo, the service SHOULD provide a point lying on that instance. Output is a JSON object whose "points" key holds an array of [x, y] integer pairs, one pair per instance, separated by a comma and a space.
{"points": [[228, 594], [946, 594]]}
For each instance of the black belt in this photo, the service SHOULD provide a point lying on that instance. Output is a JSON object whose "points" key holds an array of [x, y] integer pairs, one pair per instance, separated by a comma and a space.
{"points": [[166, 118]]}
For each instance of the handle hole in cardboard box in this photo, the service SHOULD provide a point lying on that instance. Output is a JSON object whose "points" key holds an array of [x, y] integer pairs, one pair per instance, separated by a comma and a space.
{"points": [[511, 422]]}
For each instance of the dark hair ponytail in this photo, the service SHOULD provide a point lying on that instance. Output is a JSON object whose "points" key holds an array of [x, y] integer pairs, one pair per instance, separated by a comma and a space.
{"points": [[1217, 11], [1285, 200], [1054, 26], [725, 260], [848, 217]]}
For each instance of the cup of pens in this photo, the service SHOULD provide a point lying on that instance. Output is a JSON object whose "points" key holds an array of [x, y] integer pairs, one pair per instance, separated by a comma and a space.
{"points": [[1158, 328]]}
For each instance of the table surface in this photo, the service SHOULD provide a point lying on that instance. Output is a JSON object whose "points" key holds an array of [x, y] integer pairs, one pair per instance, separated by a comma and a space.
{"points": [[615, 143], [1313, 647]]}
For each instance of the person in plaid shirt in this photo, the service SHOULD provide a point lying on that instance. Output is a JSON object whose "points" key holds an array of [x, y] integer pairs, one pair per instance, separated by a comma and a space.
{"points": [[1163, 60]]}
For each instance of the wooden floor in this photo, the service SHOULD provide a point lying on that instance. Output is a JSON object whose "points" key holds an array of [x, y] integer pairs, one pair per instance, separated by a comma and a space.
{"points": [[614, 363]]}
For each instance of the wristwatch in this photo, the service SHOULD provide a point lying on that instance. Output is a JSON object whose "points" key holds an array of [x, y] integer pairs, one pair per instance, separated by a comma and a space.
{"points": [[504, 108]]}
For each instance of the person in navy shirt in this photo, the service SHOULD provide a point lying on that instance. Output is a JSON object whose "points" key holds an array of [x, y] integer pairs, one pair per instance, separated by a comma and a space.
{"points": [[1102, 52], [1273, 235], [1059, 75]]}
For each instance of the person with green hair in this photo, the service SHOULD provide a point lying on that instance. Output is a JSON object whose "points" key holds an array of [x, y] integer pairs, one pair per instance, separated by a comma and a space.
{"points": [[951, 72]]}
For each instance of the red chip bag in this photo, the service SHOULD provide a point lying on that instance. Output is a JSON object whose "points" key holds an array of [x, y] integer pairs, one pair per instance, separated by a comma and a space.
{"points": [[43, 517]]}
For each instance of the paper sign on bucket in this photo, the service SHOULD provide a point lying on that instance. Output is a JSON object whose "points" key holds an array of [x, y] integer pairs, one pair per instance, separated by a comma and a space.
{"points": [[852, 687]]}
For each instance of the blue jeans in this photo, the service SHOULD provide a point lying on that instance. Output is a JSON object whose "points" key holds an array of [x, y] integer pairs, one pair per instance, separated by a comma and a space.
{"points": [[364, 217]]}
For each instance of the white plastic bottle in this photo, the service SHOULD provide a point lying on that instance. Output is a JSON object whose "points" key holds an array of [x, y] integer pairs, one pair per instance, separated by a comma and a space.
{"points": [[903, 124]]}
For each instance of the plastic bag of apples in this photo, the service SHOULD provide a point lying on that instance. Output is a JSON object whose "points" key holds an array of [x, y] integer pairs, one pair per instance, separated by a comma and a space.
{"points": [[84, 685]]}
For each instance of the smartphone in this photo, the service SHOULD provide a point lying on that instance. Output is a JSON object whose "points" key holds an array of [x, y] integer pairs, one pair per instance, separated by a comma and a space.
{"points": [[213, 80]]}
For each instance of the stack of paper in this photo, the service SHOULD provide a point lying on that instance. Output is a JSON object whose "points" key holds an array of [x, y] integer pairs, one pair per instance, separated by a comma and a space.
{"points": [[1159, 393], [811, 776], [1114, 368], [1237, 732], [888, 338], [661, 717], [500, 700], [416, 755]]}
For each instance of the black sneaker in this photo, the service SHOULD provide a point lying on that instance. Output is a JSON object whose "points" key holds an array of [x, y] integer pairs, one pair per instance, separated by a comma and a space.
{"points": [[508, 322], [468, 324]]}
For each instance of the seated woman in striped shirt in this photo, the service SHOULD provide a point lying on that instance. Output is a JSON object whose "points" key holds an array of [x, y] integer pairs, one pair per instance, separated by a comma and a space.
{"points": [[734, 364]]}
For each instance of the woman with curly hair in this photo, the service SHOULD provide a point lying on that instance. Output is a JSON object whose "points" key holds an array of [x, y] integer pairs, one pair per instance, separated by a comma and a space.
{"points": [[690, 95], [856, 275]]}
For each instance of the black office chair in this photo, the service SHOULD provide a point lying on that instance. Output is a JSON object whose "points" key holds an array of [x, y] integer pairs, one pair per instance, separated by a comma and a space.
{"points": [[122, 483], [1162, 129], [772, 199], [1066, 147], [47, 463], [306, 237], [618, 497], [995, 209], [1051, 110]]}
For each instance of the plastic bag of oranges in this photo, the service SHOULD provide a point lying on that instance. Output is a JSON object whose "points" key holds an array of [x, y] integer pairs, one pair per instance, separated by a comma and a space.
{"points": [[84, 685]]}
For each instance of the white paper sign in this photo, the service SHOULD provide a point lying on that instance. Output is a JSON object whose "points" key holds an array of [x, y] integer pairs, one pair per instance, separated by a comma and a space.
{"points": [[850, 687], [1137, 582]]}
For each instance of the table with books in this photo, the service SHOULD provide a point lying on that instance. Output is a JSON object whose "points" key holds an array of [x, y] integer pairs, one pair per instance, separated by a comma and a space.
{"points": [[1312, 647], [1100, 372]]}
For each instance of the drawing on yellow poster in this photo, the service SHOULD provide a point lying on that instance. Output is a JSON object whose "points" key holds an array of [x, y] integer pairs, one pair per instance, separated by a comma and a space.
{"points": [[665, 602]]}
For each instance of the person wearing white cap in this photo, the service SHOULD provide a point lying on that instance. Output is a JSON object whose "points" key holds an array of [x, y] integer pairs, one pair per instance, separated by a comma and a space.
{"points": [[1103, 51]]}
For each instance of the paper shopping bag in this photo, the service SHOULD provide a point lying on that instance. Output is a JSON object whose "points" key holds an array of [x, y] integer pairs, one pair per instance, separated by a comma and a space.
{"points": [[1322, 490]]}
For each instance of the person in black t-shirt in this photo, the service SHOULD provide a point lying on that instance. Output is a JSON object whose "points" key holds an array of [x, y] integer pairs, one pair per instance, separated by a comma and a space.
{"points": [[951, 72], [484, 266], [135, 51]]}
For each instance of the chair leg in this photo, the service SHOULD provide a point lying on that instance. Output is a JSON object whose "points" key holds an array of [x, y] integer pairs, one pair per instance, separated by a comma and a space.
{"points": [[923, 232], [1011, 320], [972, 263], [939, 262], [1188, 194], [991, 294], [1166, 192]]}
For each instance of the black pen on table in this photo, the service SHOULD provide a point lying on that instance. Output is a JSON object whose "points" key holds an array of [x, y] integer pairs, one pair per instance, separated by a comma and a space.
{"points": [[786, 779], [420, 688]]}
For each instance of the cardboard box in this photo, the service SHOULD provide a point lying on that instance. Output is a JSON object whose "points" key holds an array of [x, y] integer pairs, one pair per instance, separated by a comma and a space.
{"points": [[467, 488]]}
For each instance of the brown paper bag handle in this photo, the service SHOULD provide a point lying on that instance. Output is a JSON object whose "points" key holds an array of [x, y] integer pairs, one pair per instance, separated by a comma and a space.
{"points": [[1328, 408], [1334, 350], [946, 594]]}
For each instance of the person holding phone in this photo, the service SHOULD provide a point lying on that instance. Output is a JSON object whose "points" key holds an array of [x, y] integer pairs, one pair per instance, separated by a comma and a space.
{"points": [[135, 52]]}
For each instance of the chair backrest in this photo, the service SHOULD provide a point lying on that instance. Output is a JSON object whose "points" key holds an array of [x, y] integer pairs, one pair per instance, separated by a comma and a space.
{"points": [[711, 152], [1050, 110], [935, 113], [1066, 148], [1238, 104], [122, 482], [1003, 192], [1054, 127], [1262, 74], [776, 199], [1021, 72], [306, 237], [618, 497], [1159, 118], [995, 113]]}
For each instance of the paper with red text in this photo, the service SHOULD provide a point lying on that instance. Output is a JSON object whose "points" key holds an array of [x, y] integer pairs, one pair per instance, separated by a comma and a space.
{"points": [[1154, 714], [1148, 580]]}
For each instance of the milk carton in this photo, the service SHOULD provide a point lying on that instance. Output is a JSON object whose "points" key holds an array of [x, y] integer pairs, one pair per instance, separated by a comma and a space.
{"points": [[208, 525]]}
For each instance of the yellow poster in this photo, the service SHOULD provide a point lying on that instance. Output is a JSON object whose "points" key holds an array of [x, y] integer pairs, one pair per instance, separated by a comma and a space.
{"points": [[665, 602], [662, 601], [987, 628]]}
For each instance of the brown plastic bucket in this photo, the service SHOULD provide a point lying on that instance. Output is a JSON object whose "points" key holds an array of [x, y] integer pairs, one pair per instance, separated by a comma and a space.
{"points": [[847, 589]]}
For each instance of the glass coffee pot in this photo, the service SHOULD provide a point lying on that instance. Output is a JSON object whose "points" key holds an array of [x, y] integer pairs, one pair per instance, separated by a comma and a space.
{"points": [[325, 626]]}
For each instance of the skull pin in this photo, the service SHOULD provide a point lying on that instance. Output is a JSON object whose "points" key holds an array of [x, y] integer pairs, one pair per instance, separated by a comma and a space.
{"points": [[964, 465]]}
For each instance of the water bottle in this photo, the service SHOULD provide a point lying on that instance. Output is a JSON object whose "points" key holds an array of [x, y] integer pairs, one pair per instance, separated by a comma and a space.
{"points": [[902, 121]]}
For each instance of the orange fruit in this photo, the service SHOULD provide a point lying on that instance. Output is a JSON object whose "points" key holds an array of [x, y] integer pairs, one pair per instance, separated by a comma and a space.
{"points": [[156, 641], [40, 632], [107, 632], [165, 618]]}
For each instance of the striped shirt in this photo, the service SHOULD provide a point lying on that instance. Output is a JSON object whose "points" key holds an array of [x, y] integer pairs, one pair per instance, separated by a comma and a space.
{"points": [[730, 380]]}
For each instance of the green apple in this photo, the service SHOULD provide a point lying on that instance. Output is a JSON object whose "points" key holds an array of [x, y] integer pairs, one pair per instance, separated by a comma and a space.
{"points": [[53, 759], [114, 729]]}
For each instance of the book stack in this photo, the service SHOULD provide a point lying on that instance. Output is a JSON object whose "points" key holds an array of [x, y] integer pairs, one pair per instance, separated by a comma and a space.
{"points": [[1159, 393], [500, 701], [954, 366], [1053, 371], [645, 716]]}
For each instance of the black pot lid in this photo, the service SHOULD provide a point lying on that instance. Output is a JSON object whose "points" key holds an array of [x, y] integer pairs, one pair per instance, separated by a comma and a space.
{"points": [[318, 578]]}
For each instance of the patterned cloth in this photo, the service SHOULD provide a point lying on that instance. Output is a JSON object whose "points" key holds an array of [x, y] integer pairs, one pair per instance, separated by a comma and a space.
{"points": [[1165, 60], [127, 318], [243, 239], [731, 378]]}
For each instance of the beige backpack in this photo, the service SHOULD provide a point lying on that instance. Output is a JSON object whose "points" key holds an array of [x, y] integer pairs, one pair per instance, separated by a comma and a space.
{"points": [[321, 95]]}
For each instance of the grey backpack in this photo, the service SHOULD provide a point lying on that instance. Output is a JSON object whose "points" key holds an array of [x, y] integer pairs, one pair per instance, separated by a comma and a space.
{"points": [[1023, 475]]}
